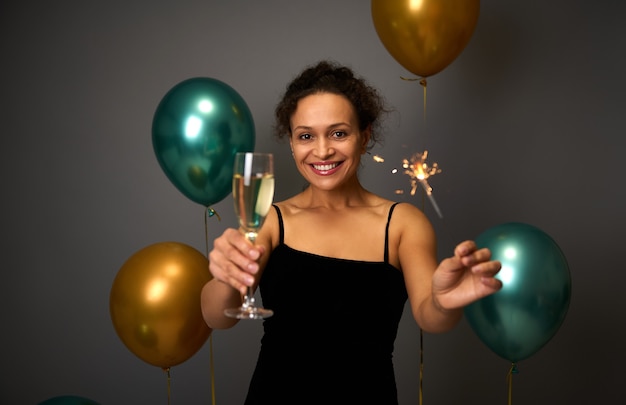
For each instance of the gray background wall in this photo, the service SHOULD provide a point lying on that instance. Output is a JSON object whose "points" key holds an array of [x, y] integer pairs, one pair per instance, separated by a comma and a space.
{"points": [[527, 125]]}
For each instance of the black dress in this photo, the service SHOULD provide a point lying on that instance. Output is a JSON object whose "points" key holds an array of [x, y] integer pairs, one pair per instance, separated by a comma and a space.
{"points": [[331, 338]]}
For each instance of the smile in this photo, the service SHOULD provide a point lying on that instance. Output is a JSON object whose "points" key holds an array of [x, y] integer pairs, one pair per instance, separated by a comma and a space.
{"points": [[326, 167]]}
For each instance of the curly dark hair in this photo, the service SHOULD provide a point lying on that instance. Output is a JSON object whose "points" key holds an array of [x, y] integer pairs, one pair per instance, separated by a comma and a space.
{"points": [[331, 77]]}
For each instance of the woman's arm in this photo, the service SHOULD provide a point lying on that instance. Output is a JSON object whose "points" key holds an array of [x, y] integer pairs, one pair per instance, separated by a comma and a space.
{"points": [[235, 264], [439, 292]]}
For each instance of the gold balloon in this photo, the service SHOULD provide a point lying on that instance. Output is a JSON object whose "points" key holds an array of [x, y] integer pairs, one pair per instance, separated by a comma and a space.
{"points": [[155, 303], [425, 36]]}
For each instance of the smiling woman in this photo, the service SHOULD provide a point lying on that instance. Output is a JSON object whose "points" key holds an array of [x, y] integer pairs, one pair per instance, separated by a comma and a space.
{"points": [[326, 139], [319, 251]]}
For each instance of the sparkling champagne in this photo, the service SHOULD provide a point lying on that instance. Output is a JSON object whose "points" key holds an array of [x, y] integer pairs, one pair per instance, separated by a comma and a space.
{"points": [[253, 198]]}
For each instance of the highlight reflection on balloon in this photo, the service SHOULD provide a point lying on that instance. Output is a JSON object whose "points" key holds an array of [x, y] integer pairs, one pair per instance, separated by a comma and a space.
{"points": [[198, 127], [155, 303], [526, 313], [425, 36]]}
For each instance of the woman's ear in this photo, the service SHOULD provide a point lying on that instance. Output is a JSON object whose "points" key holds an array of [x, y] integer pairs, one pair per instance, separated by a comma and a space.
{"points": [[366, 135]]}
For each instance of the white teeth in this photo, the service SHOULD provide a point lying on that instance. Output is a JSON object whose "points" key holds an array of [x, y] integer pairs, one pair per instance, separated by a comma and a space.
{"points": [[324, 168]]}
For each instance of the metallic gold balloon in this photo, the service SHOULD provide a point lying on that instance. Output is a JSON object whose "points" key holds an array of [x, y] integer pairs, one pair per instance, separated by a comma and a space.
{"points": [[155, 303], [425, 36]]}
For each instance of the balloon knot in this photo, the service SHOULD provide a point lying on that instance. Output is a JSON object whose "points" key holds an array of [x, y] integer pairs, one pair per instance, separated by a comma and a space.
{"points": [[211, 212]]}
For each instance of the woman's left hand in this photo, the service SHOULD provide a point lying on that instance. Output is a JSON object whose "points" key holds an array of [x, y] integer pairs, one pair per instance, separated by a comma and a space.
{"points": [[465, 277]]}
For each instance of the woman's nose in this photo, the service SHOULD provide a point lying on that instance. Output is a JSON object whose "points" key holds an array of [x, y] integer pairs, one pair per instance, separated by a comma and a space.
{"points": [[324, 149]]}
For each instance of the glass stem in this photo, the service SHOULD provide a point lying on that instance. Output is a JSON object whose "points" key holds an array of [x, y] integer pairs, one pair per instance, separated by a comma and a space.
{"points": [[248, 299]]}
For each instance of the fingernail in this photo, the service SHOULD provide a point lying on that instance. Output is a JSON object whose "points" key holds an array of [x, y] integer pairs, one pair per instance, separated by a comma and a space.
{"points": [[253, 268]]}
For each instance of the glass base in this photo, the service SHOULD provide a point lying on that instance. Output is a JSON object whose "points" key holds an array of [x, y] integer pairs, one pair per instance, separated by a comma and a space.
{"points": [[248, 312]]}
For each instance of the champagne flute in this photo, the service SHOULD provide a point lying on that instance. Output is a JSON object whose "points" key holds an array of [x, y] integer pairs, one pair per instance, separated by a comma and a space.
{"points": [[253, 192]]}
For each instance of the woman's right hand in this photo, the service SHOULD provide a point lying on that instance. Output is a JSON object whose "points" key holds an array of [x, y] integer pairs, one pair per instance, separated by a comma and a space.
{"points": [[233, 260]]}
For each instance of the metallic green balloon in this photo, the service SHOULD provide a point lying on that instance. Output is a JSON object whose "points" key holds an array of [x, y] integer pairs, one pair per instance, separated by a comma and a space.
{"points": [[526, 313], [198, 127]]}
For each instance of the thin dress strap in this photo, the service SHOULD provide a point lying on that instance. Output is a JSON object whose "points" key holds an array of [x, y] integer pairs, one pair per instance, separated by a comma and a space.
{"points": [[386, 232], [280, 224]]}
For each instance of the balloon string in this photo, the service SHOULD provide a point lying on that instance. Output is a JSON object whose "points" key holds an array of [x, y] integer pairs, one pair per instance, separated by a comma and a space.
{"points": [[424, 85], [210, 212], [169, 382], [212, 369], [509, 380], [421, 366], [423, 82]]}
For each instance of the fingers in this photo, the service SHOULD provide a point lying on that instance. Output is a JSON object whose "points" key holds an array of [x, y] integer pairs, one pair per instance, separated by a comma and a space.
{"points": [[233, 260], [467, 276], [228, 273], [470, 254], [464, 248], [479, 262], [487, 268], [492, 283]]}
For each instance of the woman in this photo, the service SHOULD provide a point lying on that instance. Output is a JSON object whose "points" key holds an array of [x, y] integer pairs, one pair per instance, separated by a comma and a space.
{"points": [[336, 263]]}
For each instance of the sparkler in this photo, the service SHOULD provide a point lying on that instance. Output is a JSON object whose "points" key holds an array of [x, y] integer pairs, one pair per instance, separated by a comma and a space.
{"points": [[418, 171]]}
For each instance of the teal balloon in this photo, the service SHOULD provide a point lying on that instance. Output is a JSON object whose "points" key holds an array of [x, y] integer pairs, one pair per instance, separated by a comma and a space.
{"points": [[198, 127], [526, 313], [68, 400]]}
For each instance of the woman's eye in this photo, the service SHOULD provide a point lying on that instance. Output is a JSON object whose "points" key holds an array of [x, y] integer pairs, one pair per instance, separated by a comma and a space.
{"points": [[339, 134], [304, 137]]}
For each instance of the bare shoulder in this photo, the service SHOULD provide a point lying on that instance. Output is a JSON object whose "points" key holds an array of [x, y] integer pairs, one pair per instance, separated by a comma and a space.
{"points": [[411, 235], [410, 222], [409, 212], [269, 233], [288, 206]]}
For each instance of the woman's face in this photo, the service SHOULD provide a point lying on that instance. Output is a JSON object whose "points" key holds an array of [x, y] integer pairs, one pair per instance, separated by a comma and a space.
{"points": [[325, 139]]}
